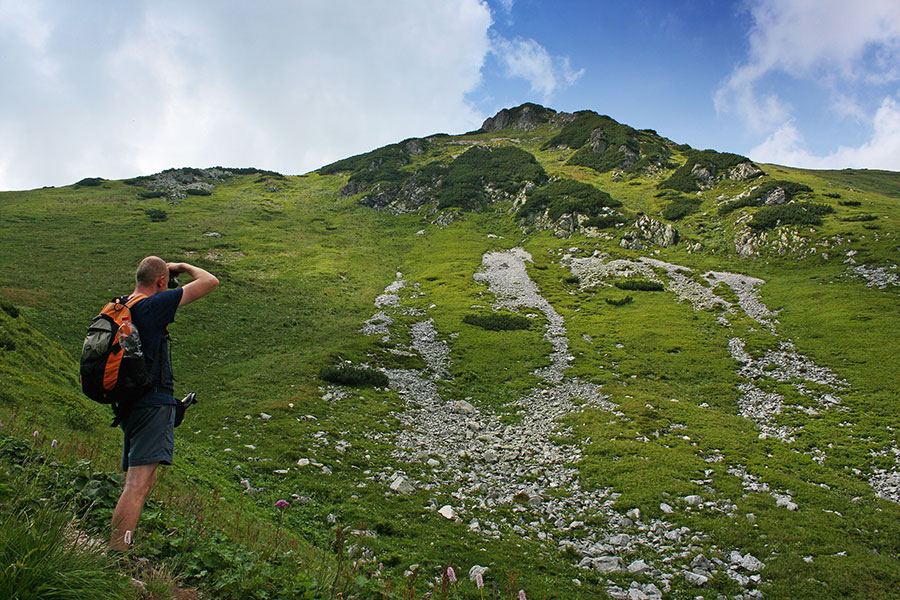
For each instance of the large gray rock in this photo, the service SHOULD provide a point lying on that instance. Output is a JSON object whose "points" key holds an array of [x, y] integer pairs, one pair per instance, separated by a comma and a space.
{"points": [[523, 118], [608, 564]]}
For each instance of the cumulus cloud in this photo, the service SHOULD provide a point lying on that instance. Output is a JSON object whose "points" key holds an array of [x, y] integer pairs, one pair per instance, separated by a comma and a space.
{"points": [[529, 60], [786, 146], [142, 86], [831, 46]]}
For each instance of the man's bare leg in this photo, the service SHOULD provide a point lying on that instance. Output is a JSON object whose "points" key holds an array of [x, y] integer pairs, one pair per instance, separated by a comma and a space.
{"points": [[139, 481]]}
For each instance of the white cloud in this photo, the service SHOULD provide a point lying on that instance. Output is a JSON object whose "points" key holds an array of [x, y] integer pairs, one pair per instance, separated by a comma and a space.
{"points": [[786, 146], [831, 46], [528, 60], [279, 85]]}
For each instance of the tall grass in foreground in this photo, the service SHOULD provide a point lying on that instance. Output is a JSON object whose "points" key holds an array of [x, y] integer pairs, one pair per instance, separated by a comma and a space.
{"points": [[42, 554]]}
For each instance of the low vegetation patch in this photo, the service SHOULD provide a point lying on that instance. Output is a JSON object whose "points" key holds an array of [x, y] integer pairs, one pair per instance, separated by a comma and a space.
{"points": [[620, 301], [681, 207], [566, 196], [605, 221], [759, 195], [641, 285], [498, 321], [848, 202], [859, 218], [684, 179], [156, 215], [798, 213], [354, 376], [90, 182], [505, 169]]}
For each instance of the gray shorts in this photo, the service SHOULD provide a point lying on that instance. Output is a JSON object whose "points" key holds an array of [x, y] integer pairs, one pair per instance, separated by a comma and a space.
{"points": [[149, 436]]}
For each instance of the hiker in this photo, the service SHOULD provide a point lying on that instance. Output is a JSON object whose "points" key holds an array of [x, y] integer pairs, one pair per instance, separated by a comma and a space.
{"points": [[149, 423]]}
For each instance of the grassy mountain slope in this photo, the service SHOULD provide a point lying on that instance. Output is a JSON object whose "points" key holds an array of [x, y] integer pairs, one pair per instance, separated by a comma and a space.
{"points": [[302, 261]]}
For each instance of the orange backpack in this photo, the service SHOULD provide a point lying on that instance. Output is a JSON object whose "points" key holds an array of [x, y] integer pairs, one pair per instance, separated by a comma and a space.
{"points": [[107, 375]]}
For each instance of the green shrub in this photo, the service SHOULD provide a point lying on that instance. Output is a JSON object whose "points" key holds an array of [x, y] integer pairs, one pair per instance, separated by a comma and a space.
{"points": [[641, 285], [566, 196], [156, 215], [715, 162], [849, 202], [831, 195], [505, 169], [605, 221], [151, 194], [572, 279], [758, 196], [681, 207], [385, 158], [9, 308], [354, 376], [90, 182], [798, 213], [198, 192], [618, 141], [498, 321], [620, 302], [859, 218]]}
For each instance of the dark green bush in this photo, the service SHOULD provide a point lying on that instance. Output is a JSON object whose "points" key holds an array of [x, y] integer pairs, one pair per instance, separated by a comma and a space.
{"points": [[758, 196], [156, 215], [354, 376], [198, 192], [715, 162], [798, 213], [90, 182], [572, 279], [640, 285], [152, 193], [681, 207], [605, 221], [9, 308], [859, 218], [498, 321], [831, 195], [849, 203], [566, 196], [621, 302], [504, 169]]}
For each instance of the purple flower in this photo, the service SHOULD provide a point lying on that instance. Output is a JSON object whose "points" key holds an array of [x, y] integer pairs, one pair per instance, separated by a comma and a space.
{"points": [[479, 581], [282, 504], [522, 595], [35, 434], [451, 575], [53, 444]]}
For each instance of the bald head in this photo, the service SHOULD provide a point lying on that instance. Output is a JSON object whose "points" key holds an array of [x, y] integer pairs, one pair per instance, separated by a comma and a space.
{"points": [[149, 270]]}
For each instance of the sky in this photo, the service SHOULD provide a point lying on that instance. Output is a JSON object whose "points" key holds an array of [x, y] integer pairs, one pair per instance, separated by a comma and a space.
{"points": [[99, 88]]}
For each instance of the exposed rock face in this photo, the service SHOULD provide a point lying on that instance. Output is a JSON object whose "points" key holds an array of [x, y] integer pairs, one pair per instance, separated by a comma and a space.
{"points": [[598, 144], [744, 171], [523, 118], [705, 179], [398, 199], [775, 197], [176, 182], [649, 231]]}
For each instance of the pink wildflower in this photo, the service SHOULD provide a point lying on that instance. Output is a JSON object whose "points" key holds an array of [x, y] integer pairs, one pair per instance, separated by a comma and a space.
{"points": [[451, 575], [35, 434], [282, 504], [522, 595], [53, 444], [479, 580]]}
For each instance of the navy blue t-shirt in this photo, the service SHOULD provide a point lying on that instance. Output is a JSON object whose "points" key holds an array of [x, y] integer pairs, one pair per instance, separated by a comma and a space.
{"points": [[151, 316]]}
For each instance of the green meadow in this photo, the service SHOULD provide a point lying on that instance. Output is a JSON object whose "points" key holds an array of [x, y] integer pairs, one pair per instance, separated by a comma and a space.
{"points": [[301, 264]]}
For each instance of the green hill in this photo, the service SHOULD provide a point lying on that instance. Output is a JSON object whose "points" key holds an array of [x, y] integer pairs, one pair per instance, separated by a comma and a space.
{"points": [[729, 431]]}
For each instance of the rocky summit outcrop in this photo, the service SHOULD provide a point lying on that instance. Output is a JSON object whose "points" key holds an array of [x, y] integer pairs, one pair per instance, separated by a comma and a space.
{"points": [[523, 118]]}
